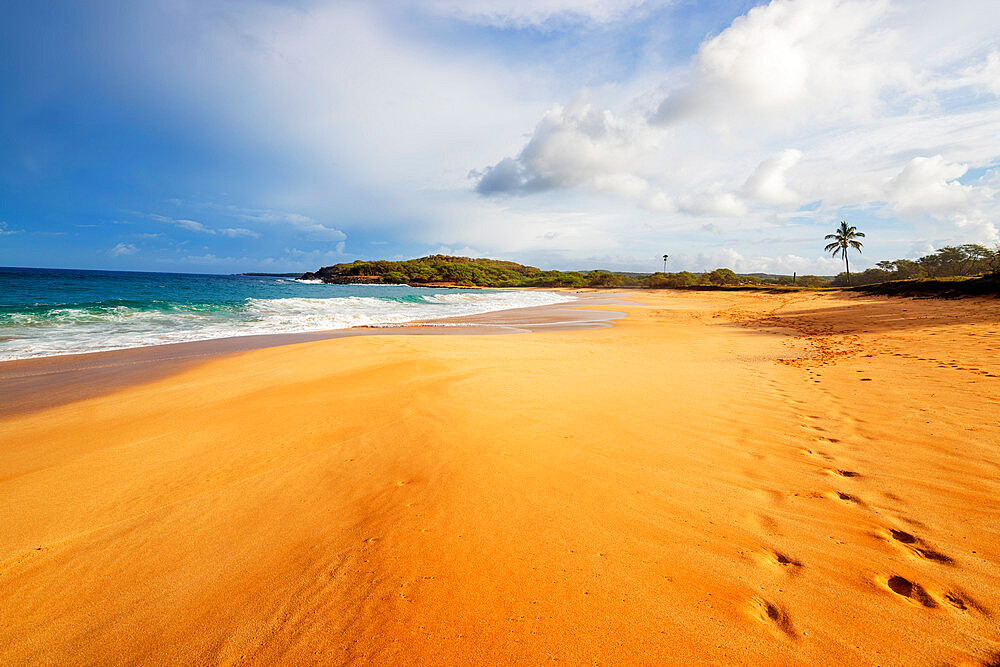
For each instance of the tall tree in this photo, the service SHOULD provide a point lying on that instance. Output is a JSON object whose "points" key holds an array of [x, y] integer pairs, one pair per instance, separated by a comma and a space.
{"points": [[665, 263], [844, 239]]}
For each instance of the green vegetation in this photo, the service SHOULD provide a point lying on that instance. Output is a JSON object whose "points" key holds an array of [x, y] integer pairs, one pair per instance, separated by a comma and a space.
{"points": [[844, 239], [452, 270], [970, 259], [957, 286], [936, 273], [464, 271]]}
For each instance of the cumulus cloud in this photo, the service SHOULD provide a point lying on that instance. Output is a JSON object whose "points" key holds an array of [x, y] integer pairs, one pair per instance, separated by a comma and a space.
{"points": [[579, 144], [780, 67], [929, 184], [769, 183], [928, 191], [121, 249], [815, 58]]}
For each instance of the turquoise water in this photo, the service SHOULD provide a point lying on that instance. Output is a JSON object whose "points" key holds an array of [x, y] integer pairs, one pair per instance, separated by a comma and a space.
{"points": [[45, 312]]}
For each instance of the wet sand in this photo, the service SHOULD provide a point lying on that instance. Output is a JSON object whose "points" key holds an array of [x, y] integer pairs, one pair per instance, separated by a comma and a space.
{"points": [[32, 384], [717, 478]]}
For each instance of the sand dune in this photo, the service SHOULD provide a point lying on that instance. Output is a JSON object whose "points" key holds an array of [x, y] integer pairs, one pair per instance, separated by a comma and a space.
{"points": [[718, 478]]}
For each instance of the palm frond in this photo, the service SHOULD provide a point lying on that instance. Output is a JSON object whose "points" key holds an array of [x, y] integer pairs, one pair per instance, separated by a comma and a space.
{"points": [[844, 240]]}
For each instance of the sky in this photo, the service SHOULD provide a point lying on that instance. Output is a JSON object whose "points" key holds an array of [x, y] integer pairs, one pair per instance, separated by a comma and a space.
{"points": [[217, 136]]}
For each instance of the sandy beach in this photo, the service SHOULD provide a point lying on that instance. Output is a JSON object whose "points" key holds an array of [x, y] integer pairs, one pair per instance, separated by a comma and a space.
{"points": [[716, 478]]}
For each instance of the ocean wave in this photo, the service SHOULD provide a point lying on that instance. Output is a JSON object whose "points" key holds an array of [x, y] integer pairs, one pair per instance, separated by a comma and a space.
{"points": [[91, 327]]}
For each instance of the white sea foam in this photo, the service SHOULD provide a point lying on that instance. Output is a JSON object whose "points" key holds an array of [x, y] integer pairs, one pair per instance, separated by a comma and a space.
{"points": [[75, 330]]}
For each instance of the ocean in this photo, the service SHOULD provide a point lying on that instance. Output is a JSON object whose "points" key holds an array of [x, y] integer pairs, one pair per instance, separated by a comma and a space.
{"points": [[47, 312]]}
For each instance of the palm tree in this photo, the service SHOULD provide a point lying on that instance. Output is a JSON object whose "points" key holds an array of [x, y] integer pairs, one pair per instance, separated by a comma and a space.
{"points": [[665, 263], [843, 240]]}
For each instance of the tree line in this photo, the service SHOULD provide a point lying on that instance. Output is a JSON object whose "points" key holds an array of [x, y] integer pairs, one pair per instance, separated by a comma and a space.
{"points": [[964, 260], [466, 271], [970, 259]]}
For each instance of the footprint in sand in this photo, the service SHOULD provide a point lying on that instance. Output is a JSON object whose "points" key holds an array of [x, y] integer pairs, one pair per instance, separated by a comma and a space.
{"points": [[917, 594], [847, 498], [913, 592], [772, 497], [962, 601], [762, 521], [774, 616], [815, 453], [777, 560], [914, 545], [841, 473]]}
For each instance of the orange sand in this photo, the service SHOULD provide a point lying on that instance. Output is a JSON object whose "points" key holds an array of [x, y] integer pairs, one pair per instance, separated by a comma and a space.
{"points": [[682, 487]]}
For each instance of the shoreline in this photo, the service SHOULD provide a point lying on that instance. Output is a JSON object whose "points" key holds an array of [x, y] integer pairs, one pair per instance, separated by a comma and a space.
{"points": [[27, 385]]}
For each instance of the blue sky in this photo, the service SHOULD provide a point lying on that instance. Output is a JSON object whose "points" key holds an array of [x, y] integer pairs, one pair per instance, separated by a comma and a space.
{"points": [[182, 135]]}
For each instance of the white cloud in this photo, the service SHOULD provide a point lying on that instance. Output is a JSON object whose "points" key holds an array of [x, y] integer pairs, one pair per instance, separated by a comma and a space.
{"points": [[234, 232], [350, 97], [5, 230], [929, 184], [768, 183], [987, 74], [786, 264], [816, 59], [457, 252], [123, 249], [276, 218], [571, 146], [315, 257], [190, 225], [297, 222], [518, 13], [712, 200]]}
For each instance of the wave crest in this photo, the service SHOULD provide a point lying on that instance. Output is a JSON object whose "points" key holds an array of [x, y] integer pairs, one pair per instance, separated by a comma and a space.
{"points": [[91, 327]]}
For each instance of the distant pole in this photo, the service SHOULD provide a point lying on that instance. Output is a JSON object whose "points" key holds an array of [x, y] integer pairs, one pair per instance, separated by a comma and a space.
{"points": [[794, 277], [665, 263]]}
